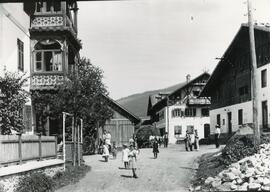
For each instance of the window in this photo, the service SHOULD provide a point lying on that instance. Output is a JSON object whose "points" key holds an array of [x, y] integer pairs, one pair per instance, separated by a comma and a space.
{"points": [[264, 78], [190, 128], [243, 90], [20, 55], [177, 130], [240, 116], [190, 112], [48, 57], [196, 93], [218, 119], [176, 113], [48, 6], [161, 115], [205, 112]]}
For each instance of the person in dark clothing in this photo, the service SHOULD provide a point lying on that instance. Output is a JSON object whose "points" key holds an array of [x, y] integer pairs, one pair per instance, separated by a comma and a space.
{"points": [[166, 140], [155, 148], [217, 134]]}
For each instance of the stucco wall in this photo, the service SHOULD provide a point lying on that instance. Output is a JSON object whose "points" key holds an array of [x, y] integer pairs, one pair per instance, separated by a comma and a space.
{"points": [[14, 24], [247, 116], [198, 122]]}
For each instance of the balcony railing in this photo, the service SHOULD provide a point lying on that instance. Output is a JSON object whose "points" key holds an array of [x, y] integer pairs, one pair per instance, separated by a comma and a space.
{"points": [[52, 20], [198, 101], [46, 81]]}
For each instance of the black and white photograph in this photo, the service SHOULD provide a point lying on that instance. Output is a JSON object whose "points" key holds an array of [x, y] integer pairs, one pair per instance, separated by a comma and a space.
{"points": [[134, 95]]}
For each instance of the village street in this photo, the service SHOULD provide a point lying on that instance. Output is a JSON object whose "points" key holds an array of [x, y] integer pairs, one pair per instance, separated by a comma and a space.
{"points": [[172, 171]]}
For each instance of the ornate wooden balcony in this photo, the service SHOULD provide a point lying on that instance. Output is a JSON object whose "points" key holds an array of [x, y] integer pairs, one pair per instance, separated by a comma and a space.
{"points": [[46, 81], [199, 101]]}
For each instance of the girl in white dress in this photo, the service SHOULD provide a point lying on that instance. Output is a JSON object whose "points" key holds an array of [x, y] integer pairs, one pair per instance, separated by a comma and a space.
{"points": [[125, 153], [133, 160]]}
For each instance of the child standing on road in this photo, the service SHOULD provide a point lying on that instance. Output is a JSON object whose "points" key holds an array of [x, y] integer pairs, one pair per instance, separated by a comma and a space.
{"points": [[125, 153], [133, 160], [105, 152], [114, 150]]}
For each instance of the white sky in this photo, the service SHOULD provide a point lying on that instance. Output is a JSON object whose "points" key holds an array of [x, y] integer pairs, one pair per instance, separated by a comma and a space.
{"points": [[151, 44]]}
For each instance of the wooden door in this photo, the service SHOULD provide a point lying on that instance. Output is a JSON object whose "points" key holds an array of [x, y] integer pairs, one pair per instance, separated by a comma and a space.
{"points": [[229, 122], [264, 115]]}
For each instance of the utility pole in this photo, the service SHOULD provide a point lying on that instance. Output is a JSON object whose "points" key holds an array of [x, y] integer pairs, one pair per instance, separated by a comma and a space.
{"points": [[254, 77]]}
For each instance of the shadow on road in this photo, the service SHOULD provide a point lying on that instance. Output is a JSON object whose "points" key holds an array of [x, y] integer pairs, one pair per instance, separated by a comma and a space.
{"points": [[103, 160], [123, 168], [126, 176], [188, 168]]}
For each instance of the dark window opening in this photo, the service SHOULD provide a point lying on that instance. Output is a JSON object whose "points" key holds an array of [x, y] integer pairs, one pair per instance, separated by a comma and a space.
{"points": [[20, 47], [218, 119], [205, 112], [264, 78], [240, 116]]}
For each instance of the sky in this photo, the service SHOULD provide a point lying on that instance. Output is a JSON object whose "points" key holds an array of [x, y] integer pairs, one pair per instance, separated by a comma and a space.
{"points": [[145, 45]]}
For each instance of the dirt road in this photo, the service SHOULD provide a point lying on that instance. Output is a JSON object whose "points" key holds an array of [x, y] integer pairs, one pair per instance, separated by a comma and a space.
{"points": [[171, 171]]}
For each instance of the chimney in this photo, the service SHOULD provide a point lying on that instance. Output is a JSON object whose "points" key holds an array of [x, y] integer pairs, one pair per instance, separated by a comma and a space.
{"points": [[188, 78]]}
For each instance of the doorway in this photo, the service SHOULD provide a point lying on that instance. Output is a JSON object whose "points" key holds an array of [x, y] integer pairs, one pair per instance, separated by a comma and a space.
{"points": [[229, 114], [264, 116], [206, 130]]}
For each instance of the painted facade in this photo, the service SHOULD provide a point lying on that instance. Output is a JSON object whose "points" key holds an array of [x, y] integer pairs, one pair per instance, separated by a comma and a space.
{"points": [[15, 49], [230, 90], [182, 111]]}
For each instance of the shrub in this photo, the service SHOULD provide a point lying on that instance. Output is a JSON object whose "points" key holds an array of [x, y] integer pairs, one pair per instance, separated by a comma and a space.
{"points": [[239, 147], [35, 182], [89, 145]]}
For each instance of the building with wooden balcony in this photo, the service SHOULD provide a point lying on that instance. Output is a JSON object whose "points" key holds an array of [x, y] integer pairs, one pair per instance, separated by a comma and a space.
{"points": [[230, 84], [54, 47], [181, 110]]}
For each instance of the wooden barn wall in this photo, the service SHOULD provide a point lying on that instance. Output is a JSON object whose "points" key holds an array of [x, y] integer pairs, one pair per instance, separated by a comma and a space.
{"points": [[121, 130]]}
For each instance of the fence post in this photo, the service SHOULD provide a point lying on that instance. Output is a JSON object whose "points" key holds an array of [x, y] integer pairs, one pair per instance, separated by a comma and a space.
{"points": [[20, 147], [39, 146], [55, 135]]}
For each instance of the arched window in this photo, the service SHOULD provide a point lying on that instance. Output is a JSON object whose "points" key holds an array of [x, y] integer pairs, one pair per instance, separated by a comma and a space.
{"points": [[48, 56]]}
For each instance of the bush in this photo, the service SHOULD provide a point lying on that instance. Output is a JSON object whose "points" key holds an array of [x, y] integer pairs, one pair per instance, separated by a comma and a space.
{"points": [[239, 147], [35, 182], [89, 147]]}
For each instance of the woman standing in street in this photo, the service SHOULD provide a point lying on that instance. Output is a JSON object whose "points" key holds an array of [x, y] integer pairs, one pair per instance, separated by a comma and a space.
{"points": [[155, 148], [133, 160]]}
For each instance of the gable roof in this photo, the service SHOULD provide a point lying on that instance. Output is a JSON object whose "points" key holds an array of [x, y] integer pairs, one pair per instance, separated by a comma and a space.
{"points": [[239, 44], [163, 102], [120, 109]]}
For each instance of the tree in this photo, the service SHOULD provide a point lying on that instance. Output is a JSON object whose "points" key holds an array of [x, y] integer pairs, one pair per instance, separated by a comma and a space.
{"points": [[80, 95], [13, 98]]}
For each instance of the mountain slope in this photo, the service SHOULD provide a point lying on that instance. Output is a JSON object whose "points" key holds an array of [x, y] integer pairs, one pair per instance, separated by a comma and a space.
{"points": [[138, 103]]}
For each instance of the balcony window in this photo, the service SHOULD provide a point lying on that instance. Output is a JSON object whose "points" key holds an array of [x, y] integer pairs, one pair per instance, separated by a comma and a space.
{"points": [[48, 57], [48, 6], [205, 112]]}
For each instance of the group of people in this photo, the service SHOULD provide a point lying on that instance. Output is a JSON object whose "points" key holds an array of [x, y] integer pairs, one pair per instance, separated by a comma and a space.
{"points": [[192, 140], [160, 140], [129, 154]]}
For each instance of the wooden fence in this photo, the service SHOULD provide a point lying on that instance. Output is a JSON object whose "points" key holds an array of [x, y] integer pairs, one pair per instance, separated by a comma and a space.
{"points": [[19, 148]]}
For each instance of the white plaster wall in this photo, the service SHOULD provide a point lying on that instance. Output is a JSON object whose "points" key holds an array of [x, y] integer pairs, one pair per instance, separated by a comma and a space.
{"points": [[263, 93], [247, 116], [14, 24], [198, 123]]}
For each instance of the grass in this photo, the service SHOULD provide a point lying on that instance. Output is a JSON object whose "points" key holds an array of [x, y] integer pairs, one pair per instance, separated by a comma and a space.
{"points": [[209, 166], [71, 175]]}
